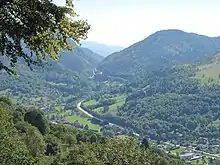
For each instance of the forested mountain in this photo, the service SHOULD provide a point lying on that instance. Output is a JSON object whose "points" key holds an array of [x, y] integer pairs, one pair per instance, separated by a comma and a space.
{"points": [[161, 49], [44, 84], [173, 107], [176, 102], [179, 103], [80, 59], [33, 33], [28, 138], [144, 105], [67, 77], [101, 49]]}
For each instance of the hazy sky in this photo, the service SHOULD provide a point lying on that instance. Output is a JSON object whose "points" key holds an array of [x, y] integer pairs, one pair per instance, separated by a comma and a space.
{"points": [[124, 22]]}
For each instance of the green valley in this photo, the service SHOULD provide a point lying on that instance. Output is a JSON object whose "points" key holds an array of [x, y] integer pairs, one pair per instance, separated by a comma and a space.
{"points": [[83, 121], [155, 102], [111, 109]]}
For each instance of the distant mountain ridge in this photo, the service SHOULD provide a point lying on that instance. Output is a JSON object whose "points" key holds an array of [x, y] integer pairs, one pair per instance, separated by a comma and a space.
{"points": [[101, 49], [80, 59], [161, 49]]}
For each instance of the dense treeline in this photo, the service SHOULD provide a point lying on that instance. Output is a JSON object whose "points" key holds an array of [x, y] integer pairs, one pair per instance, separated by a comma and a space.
{"points": [[164, 99], [172, 104], [28, 138], [52, 82], [168, 104]]}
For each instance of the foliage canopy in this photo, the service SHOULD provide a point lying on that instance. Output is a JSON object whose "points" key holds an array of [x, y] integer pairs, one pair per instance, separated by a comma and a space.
{"points": [[34, 29]]}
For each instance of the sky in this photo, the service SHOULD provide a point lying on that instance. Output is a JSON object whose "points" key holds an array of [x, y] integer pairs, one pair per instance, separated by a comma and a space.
{"points": [[124, 22]]}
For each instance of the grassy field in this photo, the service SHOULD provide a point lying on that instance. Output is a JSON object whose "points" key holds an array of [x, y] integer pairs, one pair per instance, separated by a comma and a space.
{"points": [[98, 110], [209, 73], [13, 100], [76, 117], [90, 102], [120, 99], [113, 107], [83, 121], [60, 112], [179, 151], [200, 162], [67, 112]]}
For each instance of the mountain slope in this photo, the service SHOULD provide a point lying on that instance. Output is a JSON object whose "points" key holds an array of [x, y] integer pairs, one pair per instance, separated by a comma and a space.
{"points": [[159, 50], [173, 104], [27, 137], [80, 59], [101, 49], [179, 103], [52, 84], [208, 72], [170, 104]]}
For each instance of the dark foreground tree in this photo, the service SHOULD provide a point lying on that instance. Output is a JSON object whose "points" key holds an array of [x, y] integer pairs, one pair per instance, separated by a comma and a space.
{"points": [[34, 29], [36, 118], [145, 143]]}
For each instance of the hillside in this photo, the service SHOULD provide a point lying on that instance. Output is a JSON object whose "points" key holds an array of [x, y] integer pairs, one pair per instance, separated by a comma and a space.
{"points": [[167, 105], [101, 49], [66, 78], [52, 84], [208, 72], [28, 138], [179, 103], [80, 59], [161, 49]]}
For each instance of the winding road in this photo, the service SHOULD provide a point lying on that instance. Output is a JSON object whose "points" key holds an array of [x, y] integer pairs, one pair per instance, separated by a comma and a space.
{"points": [[82, 110], [112, 124], [90, 115]]}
